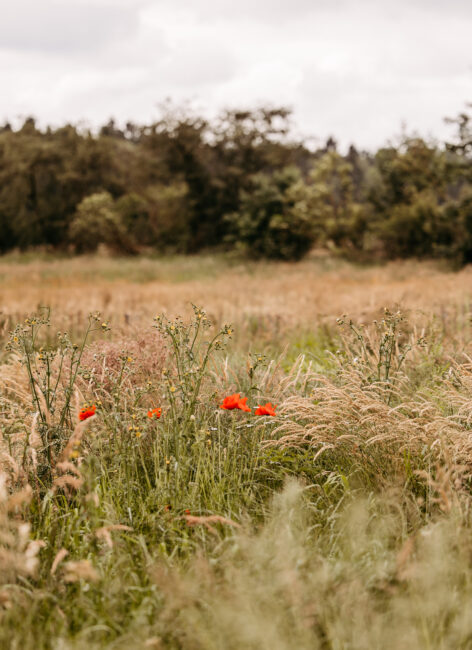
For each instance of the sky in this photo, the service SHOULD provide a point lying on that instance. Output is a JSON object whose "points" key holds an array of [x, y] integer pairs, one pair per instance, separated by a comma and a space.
{"points": [[363, 71]]}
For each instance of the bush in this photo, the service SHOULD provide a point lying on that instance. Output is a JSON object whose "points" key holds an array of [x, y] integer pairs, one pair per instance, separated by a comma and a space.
{"points": [[416, 228], [337, 218], [133, 211], [459, 215], [169, 216], [97, 221], [273, 221]]}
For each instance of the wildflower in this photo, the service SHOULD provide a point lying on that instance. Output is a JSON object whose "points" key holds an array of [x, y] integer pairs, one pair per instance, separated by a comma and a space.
{"points": [[187, 511], [243, 405], [235, 402], [87, 412], [154, 414], [266, 409]]}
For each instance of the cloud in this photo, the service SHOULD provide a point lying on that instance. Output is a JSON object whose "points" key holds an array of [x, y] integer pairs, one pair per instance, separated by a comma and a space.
{"points": [[198, 65], [356, 69], [60, 28], [268, 13]]}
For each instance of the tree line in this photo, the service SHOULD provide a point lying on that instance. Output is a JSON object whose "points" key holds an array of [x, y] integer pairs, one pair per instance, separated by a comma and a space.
{"points": [[240, 182]]}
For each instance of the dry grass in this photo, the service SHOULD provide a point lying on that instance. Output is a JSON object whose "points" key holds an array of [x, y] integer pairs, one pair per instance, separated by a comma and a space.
{"points": [[286, 295], [142, 352], [353, 424], [18, 552], [361, 583]]}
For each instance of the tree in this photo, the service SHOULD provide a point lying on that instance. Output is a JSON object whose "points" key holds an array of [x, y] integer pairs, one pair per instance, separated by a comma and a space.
{"points": [[98, 222], [273, 221], [337, 218]]}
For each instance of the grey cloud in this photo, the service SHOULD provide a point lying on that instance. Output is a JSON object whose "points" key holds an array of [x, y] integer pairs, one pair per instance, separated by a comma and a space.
{"points": [[277, 12], [352, 68], [198, 64], [49, 26], [260, 11], [368, 111], [451, 6]]}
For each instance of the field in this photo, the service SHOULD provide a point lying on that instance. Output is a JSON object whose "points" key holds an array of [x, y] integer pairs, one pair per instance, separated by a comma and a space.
{"points": [[137, 513]]}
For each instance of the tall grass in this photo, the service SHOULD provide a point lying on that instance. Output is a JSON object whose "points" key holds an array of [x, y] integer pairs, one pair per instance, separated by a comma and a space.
{"points": [[343, 522]]}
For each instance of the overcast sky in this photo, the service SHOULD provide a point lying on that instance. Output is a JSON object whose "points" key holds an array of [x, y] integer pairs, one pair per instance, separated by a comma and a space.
{"points": [[356, 69]]}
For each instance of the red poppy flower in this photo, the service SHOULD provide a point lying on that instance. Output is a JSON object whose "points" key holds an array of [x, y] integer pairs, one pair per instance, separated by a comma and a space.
{"points": [[235, 402], [266, 409], [155, 414], [243, 405], [87, 412]]}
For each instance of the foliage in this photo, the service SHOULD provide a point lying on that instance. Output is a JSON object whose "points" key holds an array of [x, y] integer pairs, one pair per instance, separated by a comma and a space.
{"points": [[273, 221], [458, 214], [96, 222], [167, 226], [52, 371], [243, 181], [338, 218]]}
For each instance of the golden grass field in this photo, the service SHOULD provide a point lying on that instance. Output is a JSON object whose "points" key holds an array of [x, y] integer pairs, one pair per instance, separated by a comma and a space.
{"points": [[307, 294]]}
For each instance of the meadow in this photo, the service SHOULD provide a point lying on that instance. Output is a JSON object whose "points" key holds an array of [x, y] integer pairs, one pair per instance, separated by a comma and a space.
{"points": [[145, 503]]}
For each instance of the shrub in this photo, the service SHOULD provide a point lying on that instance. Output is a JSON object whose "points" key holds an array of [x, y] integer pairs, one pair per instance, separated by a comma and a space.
{"points": [[169, 217], [97, 221], [133, 211], [414, 228], [459, 214], [273, 221], [338, 219]]}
